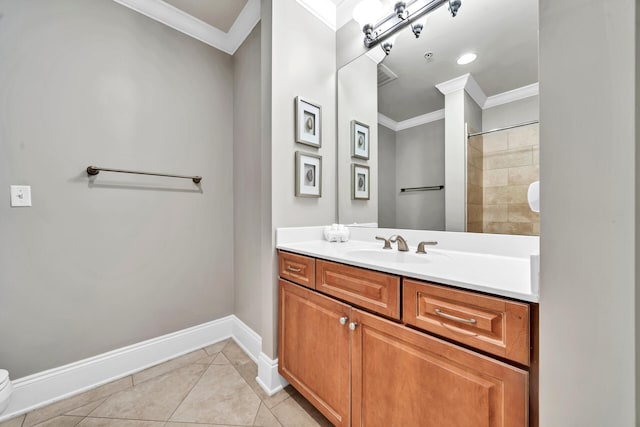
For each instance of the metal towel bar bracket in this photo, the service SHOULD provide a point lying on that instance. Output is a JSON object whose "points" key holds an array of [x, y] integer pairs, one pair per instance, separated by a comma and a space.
{"points": [[95, 170]]}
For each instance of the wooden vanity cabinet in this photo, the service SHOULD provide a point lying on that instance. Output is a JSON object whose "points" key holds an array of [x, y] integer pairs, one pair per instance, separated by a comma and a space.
{"points": [[314, 349], [360, 369]]}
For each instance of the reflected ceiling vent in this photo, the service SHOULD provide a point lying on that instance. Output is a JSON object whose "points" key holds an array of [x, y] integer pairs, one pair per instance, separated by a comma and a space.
{"points": [[385, 75]]}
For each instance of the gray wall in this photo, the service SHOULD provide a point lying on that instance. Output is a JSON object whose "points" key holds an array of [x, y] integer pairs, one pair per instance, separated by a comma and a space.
{"points": [[419, 163], [101, 263], [247, 176], [589, 170], [357, 100], [523, 110], [303, 63], [386, 177]]}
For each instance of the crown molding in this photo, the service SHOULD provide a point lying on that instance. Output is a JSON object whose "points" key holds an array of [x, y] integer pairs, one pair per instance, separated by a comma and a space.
{"points": [[193, 27], [453, 85], [387, 122], [324, 10], [344, 13], [466, 82], [512, 95], [412, 122], [475, 91]]}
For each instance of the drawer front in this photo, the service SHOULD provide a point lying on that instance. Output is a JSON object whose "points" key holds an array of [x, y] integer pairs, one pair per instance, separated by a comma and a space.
{"points": [[299, 269], [490, 324], [378, 292]]}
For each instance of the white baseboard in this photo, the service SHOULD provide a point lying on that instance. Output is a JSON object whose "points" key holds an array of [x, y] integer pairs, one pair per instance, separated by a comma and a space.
{"points": [[268, 377], [44, 388]]}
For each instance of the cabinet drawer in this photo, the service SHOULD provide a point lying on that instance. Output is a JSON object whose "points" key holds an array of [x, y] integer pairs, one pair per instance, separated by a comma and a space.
{"points": [[378, 292], [490, 324], [297, 268]]}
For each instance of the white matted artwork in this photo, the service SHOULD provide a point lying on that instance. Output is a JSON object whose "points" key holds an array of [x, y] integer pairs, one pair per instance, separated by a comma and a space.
{"points": [[308, 122], [359, 140], [308, 175], [360, 182]]}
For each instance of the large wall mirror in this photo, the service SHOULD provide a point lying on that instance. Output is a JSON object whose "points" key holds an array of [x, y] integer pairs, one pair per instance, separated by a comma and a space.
{"points": [[420, 159]]}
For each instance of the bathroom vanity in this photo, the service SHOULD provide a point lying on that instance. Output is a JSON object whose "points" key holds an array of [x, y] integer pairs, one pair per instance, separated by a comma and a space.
{"points": [[370, 347]]}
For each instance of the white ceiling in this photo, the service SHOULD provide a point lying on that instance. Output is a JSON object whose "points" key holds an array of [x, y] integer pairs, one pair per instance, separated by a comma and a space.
{"points": [[503, 33]]}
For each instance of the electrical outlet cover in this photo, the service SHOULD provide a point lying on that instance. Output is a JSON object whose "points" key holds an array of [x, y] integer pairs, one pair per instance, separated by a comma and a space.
{"points": [[20, 195]]}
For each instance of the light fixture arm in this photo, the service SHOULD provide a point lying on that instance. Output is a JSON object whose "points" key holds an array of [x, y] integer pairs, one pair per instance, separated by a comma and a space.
{"points": [[405, 13]]}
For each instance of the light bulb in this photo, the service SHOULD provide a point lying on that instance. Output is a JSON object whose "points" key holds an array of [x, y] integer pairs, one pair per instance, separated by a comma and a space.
{"points": [[367, 12], [418, 25], [388, 43]]}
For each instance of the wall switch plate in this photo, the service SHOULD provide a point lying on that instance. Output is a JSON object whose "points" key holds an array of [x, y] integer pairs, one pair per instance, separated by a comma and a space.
{"points": [[20, 195]]}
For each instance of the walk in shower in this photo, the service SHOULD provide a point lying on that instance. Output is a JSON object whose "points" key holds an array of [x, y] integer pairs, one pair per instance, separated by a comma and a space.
{"points": [[501, 164]]}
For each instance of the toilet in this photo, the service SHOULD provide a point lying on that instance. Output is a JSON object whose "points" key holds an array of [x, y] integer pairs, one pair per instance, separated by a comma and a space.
{"points": [[5, 390]]}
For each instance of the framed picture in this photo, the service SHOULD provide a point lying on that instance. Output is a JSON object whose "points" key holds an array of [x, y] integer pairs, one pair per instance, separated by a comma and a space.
{"points": [[308, 175], [359, 140], [308, 123], [360, 182]]}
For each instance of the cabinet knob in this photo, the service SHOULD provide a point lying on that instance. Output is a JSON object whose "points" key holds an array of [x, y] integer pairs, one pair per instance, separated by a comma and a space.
{"points": [[343, 320], [353, 325]]}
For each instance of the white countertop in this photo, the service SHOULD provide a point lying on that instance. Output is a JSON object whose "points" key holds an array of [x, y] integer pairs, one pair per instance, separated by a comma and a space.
{"points": [[503, 268]]}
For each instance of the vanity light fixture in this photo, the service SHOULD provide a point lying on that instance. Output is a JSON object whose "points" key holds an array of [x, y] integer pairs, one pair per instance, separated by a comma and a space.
{"points": [[379, 30], [467, 58]]}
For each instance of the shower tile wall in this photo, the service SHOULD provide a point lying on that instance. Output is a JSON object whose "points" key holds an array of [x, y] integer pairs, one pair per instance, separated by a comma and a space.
{"points": [[510, 164], [474, 185]]}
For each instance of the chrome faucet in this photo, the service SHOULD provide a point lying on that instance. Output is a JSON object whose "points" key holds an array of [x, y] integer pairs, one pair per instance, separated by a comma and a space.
{"points": [[402, 244]]}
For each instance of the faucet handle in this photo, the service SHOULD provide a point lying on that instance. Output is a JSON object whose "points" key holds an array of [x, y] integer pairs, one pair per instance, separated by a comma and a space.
{"points": [[387, 244], [421, 246]]}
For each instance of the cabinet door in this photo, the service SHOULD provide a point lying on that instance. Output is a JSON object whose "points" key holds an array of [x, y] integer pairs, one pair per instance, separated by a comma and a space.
{"points": [[402, 377], [314, 346]]}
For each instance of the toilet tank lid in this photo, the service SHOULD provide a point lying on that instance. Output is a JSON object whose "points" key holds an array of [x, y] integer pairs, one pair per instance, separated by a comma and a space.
{"points": [[4, 377]]}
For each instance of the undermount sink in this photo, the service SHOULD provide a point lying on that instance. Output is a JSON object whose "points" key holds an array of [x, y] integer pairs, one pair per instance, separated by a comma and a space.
{"points": [[389, 255]]}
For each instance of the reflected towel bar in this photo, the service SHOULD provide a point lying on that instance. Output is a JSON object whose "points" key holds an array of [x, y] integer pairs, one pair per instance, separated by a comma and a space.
{"points": [[95, 170], [433, 187]]}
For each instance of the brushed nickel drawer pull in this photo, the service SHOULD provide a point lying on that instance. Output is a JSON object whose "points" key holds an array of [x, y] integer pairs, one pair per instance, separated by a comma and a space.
{"points": [[353, 325], [343, 320], [456, 318], [295, 270]]}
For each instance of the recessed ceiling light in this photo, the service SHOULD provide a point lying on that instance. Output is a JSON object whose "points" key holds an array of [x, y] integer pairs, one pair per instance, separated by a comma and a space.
{"points": [[467, 58]]}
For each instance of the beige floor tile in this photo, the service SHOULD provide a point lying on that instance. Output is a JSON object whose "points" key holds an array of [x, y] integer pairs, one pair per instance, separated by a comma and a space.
{"points": [[265, 418], [61, 421], [216, 348], [297, 412], [220, 359], [64, 406], [235, 354], [163, 368], [249, 371], [110, 422], [220, 397], [86, 409], [155, 399], [13, 422]]}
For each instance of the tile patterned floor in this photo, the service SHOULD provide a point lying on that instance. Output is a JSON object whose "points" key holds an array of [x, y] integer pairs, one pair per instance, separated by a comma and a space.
{"points": [[213, 386]]}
